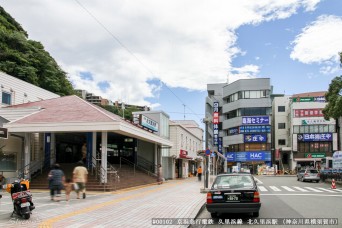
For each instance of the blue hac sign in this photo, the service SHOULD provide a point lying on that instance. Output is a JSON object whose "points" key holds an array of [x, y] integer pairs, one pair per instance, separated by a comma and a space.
{"points": [[314, 137], [248, 156], [255, 138], [255, 120]]}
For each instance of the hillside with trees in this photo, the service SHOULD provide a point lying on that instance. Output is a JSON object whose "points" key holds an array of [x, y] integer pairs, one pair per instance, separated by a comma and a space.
{"points": [[27, 59]]}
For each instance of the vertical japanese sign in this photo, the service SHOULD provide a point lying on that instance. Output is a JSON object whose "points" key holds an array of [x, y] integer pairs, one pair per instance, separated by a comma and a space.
{"points": [[216, 122]]}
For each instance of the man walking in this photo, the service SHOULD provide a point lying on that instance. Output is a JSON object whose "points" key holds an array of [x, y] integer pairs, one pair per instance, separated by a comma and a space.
{"points": [[199, 173], [80, 177]]}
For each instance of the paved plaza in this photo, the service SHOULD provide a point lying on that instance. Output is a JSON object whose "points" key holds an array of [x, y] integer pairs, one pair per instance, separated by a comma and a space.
{"points": [[135, 207]]}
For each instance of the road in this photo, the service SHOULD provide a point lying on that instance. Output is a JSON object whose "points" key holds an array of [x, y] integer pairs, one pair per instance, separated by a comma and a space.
{"points": [[285, 197]]}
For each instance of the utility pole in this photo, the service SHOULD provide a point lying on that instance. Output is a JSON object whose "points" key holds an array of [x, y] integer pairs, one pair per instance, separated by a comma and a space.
{"points": [[184, 111], [206, 168], [123, 110]]}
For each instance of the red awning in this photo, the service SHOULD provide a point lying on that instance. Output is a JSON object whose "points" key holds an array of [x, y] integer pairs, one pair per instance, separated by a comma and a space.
{"points": [[184, 154]]}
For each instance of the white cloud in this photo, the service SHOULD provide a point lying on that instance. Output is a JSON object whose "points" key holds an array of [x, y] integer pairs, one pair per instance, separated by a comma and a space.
{"points": [[320, 41], [182, 43]]}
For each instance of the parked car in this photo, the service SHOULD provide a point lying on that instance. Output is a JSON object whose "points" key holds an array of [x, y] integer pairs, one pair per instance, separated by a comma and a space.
{"points": [[308, 175], [233, 193]]}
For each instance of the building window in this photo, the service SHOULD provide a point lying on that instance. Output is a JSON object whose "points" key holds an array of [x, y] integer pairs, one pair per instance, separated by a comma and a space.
{"points": [[282, 142], [281, 108], [6, 98], [281, 125], [8, 161]]}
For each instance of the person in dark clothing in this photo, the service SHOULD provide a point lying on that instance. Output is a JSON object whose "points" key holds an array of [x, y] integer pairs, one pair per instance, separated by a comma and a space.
{"points": [[56, 182]]}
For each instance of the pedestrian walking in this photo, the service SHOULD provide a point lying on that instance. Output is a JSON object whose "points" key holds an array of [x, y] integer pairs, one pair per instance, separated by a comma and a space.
{"points": [[68, 154], [159, 174], [199, 173], [56, 180], [80, 177], [84, 153], [2, 182]]}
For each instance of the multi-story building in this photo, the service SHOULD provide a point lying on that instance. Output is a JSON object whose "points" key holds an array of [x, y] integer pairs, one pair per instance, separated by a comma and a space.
{"points": [[281, 143], [15, 91], [311, 136], [241, 125], [187, 138]]}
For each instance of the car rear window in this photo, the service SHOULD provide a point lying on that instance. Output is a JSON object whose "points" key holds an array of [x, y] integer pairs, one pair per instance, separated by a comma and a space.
{"points": [[313, 171], [232, 182]]}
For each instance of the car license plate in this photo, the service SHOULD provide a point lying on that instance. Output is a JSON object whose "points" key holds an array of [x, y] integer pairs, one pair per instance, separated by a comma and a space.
{"points": [[27, 204], [232, 198]]}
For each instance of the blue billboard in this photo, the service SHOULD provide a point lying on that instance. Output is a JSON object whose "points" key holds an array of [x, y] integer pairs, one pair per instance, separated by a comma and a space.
{"points": [[255, 120], [248, 156], [254, 129], [255, 138], [314, 137]]}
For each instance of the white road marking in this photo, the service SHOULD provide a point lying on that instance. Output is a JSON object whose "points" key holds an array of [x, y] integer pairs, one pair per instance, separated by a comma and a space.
{"points": [[327, 190], [300, 189], [274, 188], [313, 189], [262, 188], [294, 194], [338, 190], [288, 189], [258, 181]]}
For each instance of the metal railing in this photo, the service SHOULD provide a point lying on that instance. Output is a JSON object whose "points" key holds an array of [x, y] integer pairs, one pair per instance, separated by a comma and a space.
{"points": [[101, 174], [28, 170], [144, 164]]}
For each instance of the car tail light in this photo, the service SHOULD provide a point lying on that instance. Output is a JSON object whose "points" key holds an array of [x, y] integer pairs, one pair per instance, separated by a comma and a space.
{"points": [[318, 174], [306, 174], [209, 198], [256, 198], [23, 200]]}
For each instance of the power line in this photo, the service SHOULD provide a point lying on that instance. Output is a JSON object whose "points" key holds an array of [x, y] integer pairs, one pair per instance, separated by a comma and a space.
{"points": [[131, 53]]}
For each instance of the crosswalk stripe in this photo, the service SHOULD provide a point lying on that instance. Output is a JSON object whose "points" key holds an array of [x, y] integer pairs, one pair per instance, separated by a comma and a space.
{"points": [[274, 188], [313, 189], [338, 190], [300, 189], [262, 188], [288, 189], [327, 190]]}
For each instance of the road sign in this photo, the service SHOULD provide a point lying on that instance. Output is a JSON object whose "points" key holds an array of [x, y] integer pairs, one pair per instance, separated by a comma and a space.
{"points": [[207, 152]]}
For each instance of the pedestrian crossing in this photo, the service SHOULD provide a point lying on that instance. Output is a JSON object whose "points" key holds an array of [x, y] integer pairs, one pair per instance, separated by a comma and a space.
{"points": [[296, 189]]}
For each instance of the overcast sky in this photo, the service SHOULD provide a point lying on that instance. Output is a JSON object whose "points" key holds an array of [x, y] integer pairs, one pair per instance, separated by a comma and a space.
{"points": [[164, 53]]}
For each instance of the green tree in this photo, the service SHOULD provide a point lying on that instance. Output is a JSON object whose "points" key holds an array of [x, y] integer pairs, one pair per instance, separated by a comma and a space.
{"points": [[27, 59], [334, 107]]}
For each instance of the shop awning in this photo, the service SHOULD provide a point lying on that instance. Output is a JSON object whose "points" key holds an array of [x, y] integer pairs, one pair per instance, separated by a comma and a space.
{"points": [[308, 159], [184, 154]]}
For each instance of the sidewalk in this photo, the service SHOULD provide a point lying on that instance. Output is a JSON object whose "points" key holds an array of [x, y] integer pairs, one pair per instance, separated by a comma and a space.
{"points": [[177, 199]]}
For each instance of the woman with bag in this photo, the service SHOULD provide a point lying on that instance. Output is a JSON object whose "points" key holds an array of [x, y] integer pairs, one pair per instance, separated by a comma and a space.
{"points": [[56, 182]]}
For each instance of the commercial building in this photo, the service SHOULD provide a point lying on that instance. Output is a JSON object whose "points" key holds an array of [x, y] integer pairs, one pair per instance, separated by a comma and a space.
{"points": [[241, 122], [187, 138], [302, 136]]}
